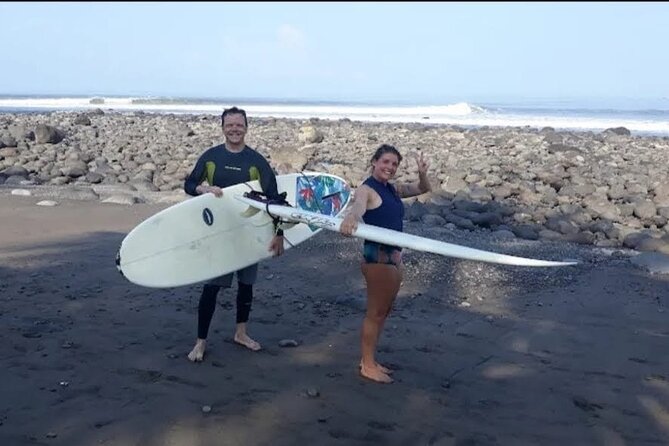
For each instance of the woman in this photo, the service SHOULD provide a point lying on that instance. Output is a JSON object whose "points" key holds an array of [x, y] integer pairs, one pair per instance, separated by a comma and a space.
{"points": [[377, 202]]}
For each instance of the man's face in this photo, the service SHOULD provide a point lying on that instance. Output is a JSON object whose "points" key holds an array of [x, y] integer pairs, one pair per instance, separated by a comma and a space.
{"points": [[234, 128]]}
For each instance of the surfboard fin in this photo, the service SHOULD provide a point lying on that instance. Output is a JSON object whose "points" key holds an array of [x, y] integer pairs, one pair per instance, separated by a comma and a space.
{"points": [[250, 212], [288, 224]]}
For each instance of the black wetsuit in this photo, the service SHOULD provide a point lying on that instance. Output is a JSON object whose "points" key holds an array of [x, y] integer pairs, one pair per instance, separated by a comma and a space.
{"points": [[220, 167]]}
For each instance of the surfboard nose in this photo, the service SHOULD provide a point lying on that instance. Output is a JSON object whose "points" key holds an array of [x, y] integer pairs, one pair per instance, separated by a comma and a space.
{"points": [[118, 263]]}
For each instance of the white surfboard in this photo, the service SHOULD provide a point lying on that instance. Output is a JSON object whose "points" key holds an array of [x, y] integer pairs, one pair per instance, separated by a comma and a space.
{"points": [[208, 236], [396, 238]]}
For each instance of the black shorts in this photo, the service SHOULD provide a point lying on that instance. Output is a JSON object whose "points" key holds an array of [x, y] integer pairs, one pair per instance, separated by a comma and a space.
{"points": [[246, 276]]}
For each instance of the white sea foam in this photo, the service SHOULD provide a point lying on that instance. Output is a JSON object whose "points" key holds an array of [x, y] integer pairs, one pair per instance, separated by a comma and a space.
{"points": [[462, 113]]}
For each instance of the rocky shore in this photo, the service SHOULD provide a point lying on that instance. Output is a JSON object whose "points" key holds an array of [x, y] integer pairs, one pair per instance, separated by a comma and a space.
{"points": [[607, 189]]}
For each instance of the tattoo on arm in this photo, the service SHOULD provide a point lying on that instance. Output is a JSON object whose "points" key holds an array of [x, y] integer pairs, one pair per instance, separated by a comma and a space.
{"points": [[406, 190], [358, 204]]}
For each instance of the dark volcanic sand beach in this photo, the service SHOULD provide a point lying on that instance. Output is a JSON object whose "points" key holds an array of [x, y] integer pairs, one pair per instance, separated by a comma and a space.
{"points": [[484, 354]]}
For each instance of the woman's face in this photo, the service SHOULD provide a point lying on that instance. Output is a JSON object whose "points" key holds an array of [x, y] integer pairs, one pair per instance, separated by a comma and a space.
{"points": [[385, 167]]}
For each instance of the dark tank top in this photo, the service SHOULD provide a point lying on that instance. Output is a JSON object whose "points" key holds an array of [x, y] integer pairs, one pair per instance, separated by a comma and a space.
{"points": [[391, 212]]}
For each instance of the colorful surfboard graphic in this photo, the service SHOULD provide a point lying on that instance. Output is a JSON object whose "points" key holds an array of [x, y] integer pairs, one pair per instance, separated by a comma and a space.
{"points": [[321, 194]]}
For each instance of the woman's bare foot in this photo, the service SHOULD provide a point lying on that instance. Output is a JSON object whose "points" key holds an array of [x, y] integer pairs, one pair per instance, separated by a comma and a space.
{"points": [[197, 354], [385, 370], [375, 374], [246, 341]]}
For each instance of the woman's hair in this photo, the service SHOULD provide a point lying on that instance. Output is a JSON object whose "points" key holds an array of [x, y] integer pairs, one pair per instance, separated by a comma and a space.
{"points": [[386, 148]]}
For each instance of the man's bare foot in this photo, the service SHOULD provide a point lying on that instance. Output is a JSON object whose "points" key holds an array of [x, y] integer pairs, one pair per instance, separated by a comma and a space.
{"points": [[197, 354], [375, 374], [385, 370], [246, 341]]}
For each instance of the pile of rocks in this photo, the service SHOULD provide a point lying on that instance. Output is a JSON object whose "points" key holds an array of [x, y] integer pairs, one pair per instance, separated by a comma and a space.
{"points": [[607, 189]]}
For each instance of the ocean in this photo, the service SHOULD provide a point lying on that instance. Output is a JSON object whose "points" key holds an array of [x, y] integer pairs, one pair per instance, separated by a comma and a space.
{"points": [[641, 117]]}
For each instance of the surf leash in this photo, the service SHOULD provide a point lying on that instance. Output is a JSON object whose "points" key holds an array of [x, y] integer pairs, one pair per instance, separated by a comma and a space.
{"points": [[280, 201]]}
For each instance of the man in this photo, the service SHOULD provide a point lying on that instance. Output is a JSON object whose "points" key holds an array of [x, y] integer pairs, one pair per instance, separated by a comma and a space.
{"points": [[223, 166]]}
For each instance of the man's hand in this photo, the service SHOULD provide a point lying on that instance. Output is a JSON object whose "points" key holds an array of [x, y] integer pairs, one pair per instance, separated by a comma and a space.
{"points": [[201, 189], [276, 245]]}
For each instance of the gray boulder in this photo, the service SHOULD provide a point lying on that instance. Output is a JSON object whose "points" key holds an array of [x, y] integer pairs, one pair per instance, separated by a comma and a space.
{"points": [[46, 134], [620, 131]]}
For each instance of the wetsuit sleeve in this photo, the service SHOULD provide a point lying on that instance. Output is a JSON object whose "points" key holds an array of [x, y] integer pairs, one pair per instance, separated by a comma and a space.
{"points": [[269, 188], [195, 178], [268, 180]]}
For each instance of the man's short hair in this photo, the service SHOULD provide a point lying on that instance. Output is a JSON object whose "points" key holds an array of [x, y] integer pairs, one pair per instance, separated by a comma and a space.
{"points": [[234, 111]]}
